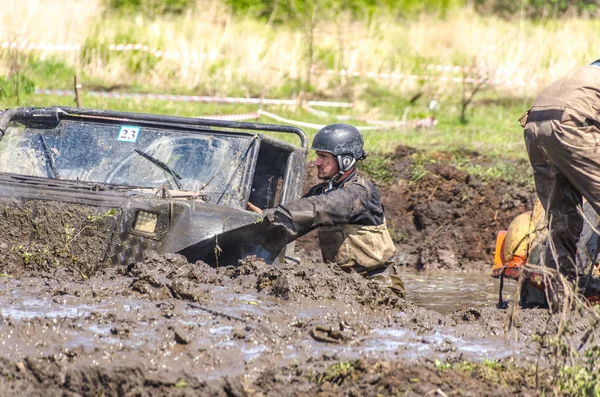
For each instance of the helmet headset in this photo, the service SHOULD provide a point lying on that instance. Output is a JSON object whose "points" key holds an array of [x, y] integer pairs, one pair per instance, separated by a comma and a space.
{"points": [[345, 143]]}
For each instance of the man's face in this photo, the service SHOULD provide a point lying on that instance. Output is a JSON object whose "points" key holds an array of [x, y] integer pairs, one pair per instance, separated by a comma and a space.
{"points": [[326, 165]]}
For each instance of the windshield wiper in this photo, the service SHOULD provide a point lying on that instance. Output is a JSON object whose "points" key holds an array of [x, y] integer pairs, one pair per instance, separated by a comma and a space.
{"points": [[49, 157], [162, 165]]}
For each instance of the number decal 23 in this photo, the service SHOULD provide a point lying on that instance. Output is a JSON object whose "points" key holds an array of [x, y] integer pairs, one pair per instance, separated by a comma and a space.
{"points": [[128, 133]]}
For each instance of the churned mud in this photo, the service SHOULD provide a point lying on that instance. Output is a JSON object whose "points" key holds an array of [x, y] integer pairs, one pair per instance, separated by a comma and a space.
{"points": [[164, 326], [167, 327], [39, 237]]}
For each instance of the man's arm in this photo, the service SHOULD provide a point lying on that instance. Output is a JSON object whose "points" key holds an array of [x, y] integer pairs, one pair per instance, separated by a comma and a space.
{"points": [[252, 207], [313, 191], [300, 216]]}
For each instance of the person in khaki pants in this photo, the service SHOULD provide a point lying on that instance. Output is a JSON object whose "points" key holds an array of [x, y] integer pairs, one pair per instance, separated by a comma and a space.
{"points": [[562, 135], [346, 209]]}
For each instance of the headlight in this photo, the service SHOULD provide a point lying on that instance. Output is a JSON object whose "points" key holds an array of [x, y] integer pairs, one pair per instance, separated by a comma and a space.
{"points": [[145, 222]]}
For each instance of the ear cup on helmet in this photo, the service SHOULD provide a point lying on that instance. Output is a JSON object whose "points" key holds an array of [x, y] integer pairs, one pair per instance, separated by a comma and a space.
{"points": [[345, 162]]}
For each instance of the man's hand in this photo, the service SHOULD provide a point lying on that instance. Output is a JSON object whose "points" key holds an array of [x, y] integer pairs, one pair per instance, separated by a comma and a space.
{"points": [[254, 208]]}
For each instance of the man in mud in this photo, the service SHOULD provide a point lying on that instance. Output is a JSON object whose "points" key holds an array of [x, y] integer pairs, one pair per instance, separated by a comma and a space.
{"points": [[562, 135], [346, 208]]}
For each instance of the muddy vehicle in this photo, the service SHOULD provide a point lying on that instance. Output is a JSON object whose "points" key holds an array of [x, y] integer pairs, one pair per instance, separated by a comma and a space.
{"points": [[524, 243], [89, 187]]}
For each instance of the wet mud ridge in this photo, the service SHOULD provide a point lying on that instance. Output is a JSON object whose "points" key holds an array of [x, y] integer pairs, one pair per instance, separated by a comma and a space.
{"points": [[168, 327]]}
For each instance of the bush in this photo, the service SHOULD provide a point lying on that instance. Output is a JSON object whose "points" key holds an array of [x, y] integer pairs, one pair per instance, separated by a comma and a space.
{"points": [[283, 11], [149, 7], [537, 8]]}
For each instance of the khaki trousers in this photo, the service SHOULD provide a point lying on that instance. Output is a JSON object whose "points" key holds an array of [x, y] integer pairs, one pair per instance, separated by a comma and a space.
{"points": [[564, 151]]}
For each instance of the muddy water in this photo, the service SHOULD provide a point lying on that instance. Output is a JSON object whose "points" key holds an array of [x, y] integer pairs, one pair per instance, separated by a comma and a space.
{"points": [[164, 322], [446, 292], [221, 327], [128, 322], [228, 324]]}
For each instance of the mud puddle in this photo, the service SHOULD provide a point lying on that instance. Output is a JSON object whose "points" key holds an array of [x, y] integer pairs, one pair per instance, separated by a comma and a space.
{"points": [[165, 324], [446, 292], [231, 325], [232, 319]]}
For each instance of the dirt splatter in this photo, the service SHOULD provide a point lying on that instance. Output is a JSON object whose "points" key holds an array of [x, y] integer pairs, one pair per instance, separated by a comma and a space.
{"points": [[41, 236], [171, 276], [448, 219]]}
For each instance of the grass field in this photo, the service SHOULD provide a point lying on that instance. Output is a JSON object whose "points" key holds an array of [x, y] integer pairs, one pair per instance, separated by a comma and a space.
{"points": [[225, 55]]}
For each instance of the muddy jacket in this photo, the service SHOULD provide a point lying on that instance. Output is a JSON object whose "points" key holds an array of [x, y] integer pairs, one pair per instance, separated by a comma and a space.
{"points": [[578, 92], [352, 229]]}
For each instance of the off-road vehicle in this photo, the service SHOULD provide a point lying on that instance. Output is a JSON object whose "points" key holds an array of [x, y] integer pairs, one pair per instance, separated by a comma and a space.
{"points": [[85, 187]]}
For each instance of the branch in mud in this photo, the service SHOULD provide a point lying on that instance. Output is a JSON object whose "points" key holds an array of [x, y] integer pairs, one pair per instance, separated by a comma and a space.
{"points": [[217, 313], [327, 334]]}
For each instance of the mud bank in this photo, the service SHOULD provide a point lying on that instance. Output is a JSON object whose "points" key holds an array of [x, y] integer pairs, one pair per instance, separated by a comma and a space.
{"points": [[167, 327]]}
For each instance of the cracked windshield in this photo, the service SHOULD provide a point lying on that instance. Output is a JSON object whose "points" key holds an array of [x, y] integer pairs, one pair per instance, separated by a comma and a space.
{"points": [[125, 155]]}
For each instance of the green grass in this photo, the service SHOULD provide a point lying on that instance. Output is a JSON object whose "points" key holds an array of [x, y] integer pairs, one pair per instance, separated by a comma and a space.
{"points": [[335, 373], [247, 57], [378, 167], [492, 130], [52, 72], [492, 125]]}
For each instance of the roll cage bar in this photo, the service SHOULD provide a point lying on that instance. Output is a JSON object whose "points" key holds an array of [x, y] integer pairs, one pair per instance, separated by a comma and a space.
{"points": [[56, 113]]}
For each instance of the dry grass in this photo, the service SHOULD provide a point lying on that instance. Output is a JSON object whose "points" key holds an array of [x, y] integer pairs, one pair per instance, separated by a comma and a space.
{"points": [[47, 21], [222, 52]]}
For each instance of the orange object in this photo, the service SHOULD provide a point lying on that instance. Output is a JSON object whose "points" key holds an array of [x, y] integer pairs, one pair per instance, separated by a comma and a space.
{"points": [[508, 266], [498, 256]]}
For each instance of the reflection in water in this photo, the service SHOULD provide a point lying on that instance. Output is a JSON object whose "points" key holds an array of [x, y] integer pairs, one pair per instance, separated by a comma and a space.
{"points": [[445, 292]]}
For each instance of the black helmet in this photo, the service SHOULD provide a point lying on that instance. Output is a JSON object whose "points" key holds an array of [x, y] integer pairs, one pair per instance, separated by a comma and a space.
{"points": [[344, 141]]}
